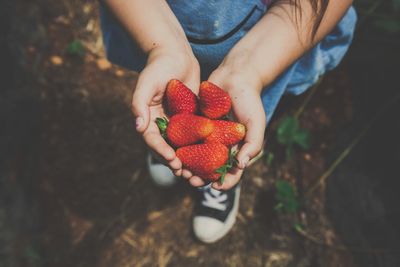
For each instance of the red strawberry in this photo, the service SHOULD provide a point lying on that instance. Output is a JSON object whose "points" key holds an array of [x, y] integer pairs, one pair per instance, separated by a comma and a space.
{"points": [[227, 132], [214, 102], [185, 129], [204, 160], [179, 98]]}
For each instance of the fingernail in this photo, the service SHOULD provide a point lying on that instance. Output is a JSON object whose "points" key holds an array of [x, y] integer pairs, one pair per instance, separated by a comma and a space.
{"points": [[139, 122]]}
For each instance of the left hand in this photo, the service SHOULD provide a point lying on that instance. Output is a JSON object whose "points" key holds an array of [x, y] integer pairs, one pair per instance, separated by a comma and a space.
{"points": [[244, 89]]}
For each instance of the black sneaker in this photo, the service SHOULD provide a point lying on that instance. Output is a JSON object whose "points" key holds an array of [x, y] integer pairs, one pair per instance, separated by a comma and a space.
{"points": [[215, 213]]}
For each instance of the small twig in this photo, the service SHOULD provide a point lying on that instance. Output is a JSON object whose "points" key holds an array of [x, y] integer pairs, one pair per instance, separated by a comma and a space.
{"points": [[317, 241], [355, 141], [130, 241], [308, 98]]}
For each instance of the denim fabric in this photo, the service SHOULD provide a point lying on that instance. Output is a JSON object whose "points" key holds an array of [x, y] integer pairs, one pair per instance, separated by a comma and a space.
{"points": [[213, 27]]}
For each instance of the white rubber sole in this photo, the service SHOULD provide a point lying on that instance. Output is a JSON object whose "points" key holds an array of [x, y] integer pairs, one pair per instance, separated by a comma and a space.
{"points": [[230, 221]]}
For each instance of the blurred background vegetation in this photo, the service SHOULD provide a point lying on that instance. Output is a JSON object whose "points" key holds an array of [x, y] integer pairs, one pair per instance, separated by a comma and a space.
{"points": [[74, 189]]}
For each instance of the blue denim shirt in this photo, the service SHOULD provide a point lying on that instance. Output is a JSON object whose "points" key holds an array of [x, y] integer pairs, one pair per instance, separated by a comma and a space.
{"points": [[213, 27]]}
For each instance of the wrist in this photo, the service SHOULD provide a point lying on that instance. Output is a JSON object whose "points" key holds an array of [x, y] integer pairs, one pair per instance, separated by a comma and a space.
{"points": [[240, 72], [173, 42], [182, 55]]}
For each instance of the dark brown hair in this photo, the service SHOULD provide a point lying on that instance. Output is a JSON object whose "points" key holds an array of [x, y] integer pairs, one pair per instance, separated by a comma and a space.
{"points": [[318, 7]]}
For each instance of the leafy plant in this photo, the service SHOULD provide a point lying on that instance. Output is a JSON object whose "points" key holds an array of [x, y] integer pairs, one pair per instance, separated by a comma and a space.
{"points": [[289, 134], [76, 48], [286, 197]]}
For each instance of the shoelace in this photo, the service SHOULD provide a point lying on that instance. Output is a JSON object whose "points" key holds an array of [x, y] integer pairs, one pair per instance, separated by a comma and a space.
{"points": [[214, 199]]}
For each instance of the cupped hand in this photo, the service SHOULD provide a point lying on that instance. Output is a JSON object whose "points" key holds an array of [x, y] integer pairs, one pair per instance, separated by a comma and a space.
{"points": [[162, 66], [244, 90]]}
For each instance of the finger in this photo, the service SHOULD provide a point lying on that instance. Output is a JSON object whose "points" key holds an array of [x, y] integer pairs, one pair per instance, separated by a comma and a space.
{"points": [[193, 84], [141, 99], [178, 172], [217, 77], [175, 164], [230, 180], [249, 150], [157, 144], [186, 174], [196, 181], [254, 139]]}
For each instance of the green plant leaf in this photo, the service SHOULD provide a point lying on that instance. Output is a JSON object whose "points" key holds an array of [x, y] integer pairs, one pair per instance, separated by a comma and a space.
{"points": [[284, 190], [162, 124], [390, 25], [289, 133], [287, 128], [76, 48], [286, 197], [224, 169], [303, 138]]}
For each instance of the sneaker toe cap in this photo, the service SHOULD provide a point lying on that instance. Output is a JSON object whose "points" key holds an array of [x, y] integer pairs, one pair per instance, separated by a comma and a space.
{"points": [[160, 174], [207, 229]]}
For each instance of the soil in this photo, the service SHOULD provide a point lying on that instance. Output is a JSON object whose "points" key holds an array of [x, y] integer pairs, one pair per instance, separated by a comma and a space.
{"points": [[91, 198]]}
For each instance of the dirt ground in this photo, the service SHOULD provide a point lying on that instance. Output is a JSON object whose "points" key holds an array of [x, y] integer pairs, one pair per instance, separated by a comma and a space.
{"points": [[95, 203]]}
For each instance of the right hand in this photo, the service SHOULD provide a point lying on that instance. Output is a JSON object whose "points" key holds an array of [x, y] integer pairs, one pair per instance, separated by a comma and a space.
{"points": [[162, 66]]}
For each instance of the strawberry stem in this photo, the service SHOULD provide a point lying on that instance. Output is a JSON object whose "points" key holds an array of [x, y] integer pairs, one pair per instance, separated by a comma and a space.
{"points": [[162, 124], [224, 169]]}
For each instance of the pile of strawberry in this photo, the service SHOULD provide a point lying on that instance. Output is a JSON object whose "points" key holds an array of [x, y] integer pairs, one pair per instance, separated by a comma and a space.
{"points": [[199, 130]]}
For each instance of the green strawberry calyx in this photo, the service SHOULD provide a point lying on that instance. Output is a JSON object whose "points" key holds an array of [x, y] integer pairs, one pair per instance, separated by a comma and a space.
{"points": [[162, 124], [230, 163]]}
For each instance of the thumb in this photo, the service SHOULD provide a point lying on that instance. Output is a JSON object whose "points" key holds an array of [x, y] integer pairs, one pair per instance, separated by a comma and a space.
{"points": [[253, 144], [141, 100], [254, 139]]}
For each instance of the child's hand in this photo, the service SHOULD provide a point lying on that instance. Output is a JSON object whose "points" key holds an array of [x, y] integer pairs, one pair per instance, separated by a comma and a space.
{"points": [[254, 62], [244, 88], [147, 105]]}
